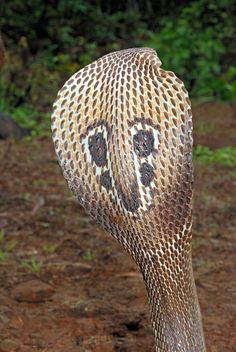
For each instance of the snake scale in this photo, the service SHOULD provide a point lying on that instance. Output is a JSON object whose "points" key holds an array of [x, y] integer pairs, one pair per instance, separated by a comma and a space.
{"points": [[122, 130]]}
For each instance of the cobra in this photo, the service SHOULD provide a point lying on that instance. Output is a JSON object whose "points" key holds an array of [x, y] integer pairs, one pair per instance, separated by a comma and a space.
{"points": [[122, 130]]}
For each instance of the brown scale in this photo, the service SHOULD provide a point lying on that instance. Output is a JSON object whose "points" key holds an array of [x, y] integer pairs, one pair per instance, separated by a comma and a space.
{"points": [[122, 131]]}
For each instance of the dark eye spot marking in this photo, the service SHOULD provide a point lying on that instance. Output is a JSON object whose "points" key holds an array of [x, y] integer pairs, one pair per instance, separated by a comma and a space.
{"points": [[98, 149], [147, 174], [106, 180], [143, 143]]}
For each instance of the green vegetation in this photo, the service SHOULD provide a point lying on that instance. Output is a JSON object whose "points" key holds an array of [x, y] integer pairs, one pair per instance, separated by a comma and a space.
{"points": [[222, 156], [88, 255], [31, 264], [3, 256], [2, 236], [194, 45], [203, 128], [48, 41], [49, 248], [10, 245], [6, 246]]}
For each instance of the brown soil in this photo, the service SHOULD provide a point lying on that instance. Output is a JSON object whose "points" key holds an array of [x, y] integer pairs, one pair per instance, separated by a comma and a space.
{"points": [[66, 286]]}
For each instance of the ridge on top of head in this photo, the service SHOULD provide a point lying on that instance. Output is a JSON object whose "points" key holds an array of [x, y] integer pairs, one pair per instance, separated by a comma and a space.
{"points": [[144, 55]]}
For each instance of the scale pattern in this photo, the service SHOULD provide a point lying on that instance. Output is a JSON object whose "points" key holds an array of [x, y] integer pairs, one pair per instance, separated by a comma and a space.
{"points": [[122, 130]]}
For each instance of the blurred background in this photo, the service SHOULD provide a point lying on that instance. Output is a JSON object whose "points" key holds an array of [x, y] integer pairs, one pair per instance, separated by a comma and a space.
{"points": [[65, 285]]}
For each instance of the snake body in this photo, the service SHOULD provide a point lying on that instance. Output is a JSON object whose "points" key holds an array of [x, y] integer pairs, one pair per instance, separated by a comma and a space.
{"points": [[122, 130]]}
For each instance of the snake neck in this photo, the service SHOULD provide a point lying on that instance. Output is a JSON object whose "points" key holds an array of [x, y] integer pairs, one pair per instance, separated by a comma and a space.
{"points": [[175, 312]]}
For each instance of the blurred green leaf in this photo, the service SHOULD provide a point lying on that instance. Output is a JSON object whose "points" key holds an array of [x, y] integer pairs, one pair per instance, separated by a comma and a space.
{"points": [[222, 156]]}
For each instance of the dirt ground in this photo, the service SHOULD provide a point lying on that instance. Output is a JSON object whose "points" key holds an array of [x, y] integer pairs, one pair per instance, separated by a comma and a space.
{"points": [[66, 286]]}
